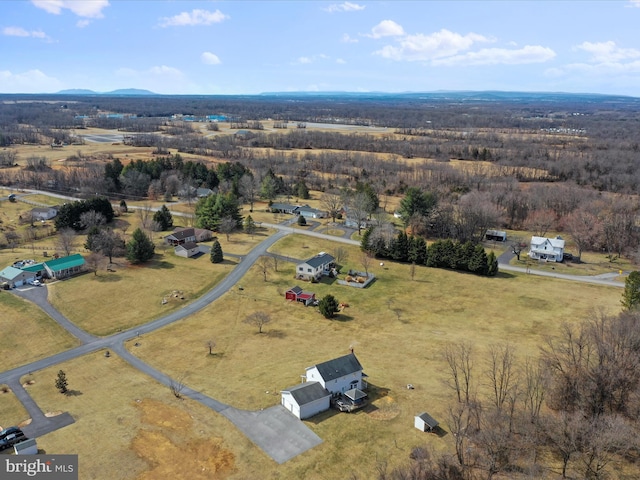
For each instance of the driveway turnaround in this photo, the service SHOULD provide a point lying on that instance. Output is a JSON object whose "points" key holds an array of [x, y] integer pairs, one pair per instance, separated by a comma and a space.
{"points": [[276, 431]]}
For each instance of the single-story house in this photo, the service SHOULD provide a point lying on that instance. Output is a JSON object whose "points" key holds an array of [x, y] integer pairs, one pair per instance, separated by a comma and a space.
{"points": [[203, 192], [309, 212], [187, 250], [202, 234], [296, 294], [36, 268], [16, 277], [43, 213], [306, 399], [65, 266], [351, 220], [180, 236], [283, 208], [496, 235], [549, 249], [316, 267], [425, 422]]}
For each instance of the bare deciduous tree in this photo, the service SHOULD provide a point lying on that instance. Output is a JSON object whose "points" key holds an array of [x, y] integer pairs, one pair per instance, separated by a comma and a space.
{"points": [[227, 226], [459, 360], [258, 319], [264, 264], [67, 240]]}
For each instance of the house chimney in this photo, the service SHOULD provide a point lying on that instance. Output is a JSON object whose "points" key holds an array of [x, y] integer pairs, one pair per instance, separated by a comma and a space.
{"points": [[351, 349]]}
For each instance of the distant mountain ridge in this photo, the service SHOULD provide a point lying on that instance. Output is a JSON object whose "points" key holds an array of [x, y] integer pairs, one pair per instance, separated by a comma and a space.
{"points": [[122, 91]]}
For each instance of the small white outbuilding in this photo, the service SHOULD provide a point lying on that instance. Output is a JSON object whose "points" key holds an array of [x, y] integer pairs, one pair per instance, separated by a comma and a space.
{"points": [[425, 422]]}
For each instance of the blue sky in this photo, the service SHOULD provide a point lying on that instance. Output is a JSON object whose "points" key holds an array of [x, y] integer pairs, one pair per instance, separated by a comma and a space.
{"points": [[249, 47]]}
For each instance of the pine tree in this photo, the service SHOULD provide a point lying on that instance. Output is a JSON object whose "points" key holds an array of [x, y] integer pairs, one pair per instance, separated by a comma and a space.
{"points": [[163, 218], [140, 248], [631, 294], [492, 264], [249, 225], [216, 252], [328, 306], [61, 382], [302, 221]]}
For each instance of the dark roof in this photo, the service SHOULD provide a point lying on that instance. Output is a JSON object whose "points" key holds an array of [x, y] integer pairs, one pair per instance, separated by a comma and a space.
{"points": [[297, 290], [428, 419], [188, 245], [307, 392], [283, 206], [339, 367], [320, 259], [182, 234]]}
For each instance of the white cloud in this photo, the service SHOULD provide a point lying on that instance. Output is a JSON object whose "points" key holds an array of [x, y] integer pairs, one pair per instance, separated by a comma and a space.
{"points": [[15, 32], [340, 61], [83, 23], [344, 7], [82, 8], [634, 3], [32, 81], [347, 39], [504, 56], [195, 17], [210, 58], [312, 59], [21, 32], [437, 45], [602, 52], [386, 28]]}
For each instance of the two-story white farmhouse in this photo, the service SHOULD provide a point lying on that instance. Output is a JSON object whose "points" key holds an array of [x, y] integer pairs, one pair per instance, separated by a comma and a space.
{"points": [[549, 249], [340, 376]]}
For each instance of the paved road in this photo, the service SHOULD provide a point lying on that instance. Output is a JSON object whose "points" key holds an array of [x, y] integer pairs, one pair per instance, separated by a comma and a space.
{"points": [[274, 430]]}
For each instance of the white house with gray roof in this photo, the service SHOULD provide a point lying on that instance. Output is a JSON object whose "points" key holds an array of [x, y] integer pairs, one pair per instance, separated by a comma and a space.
{"points": [[548, 249], [306, 399], [341, 377], [316, 267]]}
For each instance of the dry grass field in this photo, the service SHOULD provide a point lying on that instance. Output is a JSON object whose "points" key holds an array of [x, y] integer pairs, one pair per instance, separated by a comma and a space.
{"points": [[28, 334], [398, 328]]}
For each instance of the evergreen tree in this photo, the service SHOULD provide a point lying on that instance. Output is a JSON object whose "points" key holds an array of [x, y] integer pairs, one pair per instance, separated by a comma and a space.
{"points": [[123, 206], [302, 221], [92, 235], [416, 202], [364, 241], [631, 294], [302, 191], [478, 263], [249, 225], [492, 264], [328, 306], [417, 250], [164, 218], [140, 248], [212, 209], [61, 382], [216, 252], [400, 247]]}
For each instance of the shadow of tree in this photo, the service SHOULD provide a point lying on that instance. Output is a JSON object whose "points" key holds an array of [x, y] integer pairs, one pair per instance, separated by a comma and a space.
{"points": [[276, 334]]}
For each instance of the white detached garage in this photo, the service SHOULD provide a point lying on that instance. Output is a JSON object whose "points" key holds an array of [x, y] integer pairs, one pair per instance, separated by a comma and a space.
{"points": [[306, 399]]}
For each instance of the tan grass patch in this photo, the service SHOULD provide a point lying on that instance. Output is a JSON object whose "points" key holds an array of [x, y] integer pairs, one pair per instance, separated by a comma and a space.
{"points": [[385, 408]]}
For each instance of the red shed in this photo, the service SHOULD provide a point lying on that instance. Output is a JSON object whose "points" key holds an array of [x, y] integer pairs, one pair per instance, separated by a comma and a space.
{"points": [[292, 293]]}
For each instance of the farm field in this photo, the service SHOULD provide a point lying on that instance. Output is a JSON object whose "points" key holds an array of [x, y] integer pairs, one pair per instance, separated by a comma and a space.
{"points": [[398, 337]]}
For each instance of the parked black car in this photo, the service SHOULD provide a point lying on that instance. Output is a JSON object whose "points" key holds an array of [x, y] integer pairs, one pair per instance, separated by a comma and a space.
{"points": [[11, 436]]}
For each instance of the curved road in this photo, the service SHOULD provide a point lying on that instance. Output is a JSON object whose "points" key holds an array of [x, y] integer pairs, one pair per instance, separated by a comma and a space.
{"points": [[274, 430]]}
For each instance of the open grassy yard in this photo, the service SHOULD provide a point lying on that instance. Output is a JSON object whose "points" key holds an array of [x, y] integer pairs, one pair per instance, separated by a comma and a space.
{"points": [[137, 428], [398, 328], [12, 411], [28, 334], [133, 294]]}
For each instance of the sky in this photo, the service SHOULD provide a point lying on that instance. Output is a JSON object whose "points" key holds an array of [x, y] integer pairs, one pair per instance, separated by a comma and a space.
{"points": [[250, 47]]}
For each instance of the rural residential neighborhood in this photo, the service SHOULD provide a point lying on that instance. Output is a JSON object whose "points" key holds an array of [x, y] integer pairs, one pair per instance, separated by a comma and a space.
{"points": [[321, 241]]}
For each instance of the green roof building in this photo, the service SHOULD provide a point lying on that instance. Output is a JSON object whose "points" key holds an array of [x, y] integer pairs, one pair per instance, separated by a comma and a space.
{"points": [[65, 266]]}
